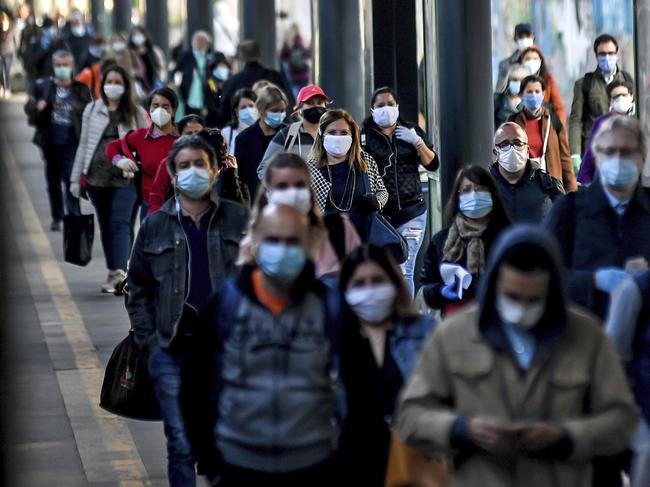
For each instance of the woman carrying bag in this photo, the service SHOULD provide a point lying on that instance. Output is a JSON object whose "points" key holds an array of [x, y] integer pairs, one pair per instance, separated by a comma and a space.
{"points": [[113, 196]]}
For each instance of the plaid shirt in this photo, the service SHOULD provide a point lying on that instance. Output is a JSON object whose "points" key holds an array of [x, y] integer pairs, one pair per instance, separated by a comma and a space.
{"points": [[322, 186]]}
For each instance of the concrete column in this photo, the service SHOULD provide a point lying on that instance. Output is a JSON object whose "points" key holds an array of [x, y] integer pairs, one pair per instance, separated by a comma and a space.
{"points": [[200, 16], [157, 23], [465, 81], [98, 16], [258, 23], [122, 16], [642, 75]]}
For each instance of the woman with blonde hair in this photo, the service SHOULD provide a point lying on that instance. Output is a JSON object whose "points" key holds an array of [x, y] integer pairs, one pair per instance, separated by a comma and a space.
{"points": [[346, 179]]}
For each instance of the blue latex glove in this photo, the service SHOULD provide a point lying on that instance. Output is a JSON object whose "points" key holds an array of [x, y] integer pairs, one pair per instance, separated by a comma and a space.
{"points": [[407, 135], [607, 279], [449, 292]]}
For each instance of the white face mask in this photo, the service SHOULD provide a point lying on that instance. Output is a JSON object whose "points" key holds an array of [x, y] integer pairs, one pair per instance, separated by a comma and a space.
{"points": [[623, 104], [138, 39], [78, 30], [533, 65], [337, 145], [524, 43], [372, 304], [113, 92], [511, 159], [385, 116], [160, 117], [524, 317], [298, 198], [118, 46]]}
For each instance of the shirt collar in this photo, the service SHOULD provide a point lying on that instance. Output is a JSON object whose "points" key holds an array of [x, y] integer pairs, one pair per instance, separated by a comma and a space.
{"points": [[155, 133], [613, 201]]}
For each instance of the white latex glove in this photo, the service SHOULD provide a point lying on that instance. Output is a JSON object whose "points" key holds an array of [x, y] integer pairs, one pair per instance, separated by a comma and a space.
{"points": [[127, 165], [407, 135], [75, 189]]}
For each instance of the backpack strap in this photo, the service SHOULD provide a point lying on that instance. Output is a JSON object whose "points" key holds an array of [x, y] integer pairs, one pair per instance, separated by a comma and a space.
{"points": [[587, 81], [292, 134]]}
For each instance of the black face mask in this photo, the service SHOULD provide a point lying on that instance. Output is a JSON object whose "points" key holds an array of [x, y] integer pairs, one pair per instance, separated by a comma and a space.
{"points": [[313, 114]]}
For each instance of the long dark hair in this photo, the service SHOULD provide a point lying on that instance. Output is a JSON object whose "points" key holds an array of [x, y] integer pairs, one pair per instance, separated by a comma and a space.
{"points": [[126, 111], [478, 175], [371, 253]]}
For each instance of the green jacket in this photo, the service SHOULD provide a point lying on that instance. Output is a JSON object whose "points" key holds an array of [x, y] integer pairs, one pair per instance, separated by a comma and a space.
{"points": [[583, 114]]}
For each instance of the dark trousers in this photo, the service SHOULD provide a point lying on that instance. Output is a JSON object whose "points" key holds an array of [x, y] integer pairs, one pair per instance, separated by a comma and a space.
{"points": [[58, 166], [115, 209], [320, 475]]}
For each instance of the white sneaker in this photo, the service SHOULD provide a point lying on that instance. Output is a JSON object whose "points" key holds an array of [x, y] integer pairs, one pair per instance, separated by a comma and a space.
{"points": [[109, 286]]}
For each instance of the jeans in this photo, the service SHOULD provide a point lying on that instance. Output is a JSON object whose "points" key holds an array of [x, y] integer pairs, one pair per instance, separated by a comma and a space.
{"points": [[58, 166], [115, 209], [641, 462], [5, 71], [144, 209], [165, 368], [413, 231], [320, 475]]}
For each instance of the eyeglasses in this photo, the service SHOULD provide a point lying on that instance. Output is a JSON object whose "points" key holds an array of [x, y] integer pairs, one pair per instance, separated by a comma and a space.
{"points": [[517, 144], [623, 152], [473, 188]]}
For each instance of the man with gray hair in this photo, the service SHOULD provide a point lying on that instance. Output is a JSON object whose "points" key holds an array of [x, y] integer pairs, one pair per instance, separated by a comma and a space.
{"points": [[603, 230], [193, 66], [55, 108]]}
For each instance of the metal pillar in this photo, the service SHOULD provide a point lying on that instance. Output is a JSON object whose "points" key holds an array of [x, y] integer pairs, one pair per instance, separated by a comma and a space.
{"points": [[258, 22], [465, 81], [122, 16], [157, 23], [98, 16], [200, 16], [341, 53], [642, 77]]}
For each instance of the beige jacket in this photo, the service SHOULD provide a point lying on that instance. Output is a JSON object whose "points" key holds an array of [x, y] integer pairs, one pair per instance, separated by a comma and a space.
{"points": [[459, 367]]}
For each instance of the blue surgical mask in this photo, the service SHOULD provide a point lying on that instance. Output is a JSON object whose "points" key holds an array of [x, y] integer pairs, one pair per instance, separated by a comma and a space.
{"points": [[619, 174], [607, 63], [514, 87], [274, 119], [62, 72], [221, 73], [533, 101], [281, 262], [248, 116], [193, 182], [476, 204]]}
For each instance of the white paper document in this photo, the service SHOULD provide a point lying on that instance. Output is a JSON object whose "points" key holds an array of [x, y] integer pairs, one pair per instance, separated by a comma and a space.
{"points": [[456, 274]]}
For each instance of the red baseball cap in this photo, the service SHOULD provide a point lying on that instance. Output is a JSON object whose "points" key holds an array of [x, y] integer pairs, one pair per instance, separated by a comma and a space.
{"points": [[307, 92]]}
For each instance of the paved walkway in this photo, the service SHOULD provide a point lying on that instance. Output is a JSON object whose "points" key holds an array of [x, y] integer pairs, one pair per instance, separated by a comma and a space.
{"points": [[61, 331]]}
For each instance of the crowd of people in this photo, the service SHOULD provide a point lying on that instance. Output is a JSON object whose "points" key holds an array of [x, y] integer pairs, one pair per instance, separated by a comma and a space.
{"points": [[286, 346]]}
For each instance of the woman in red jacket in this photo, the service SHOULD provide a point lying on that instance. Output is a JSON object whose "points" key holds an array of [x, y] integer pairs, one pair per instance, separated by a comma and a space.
{"points": [[143, 150], [533, 60]]}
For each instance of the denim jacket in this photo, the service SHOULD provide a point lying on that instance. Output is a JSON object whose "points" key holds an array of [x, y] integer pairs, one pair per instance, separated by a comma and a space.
{"points": [[158, 270], [407, 340]]}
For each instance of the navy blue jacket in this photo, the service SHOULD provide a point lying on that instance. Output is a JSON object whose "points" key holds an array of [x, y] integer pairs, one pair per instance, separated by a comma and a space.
{"points": [[592, 236], [250, 149]]}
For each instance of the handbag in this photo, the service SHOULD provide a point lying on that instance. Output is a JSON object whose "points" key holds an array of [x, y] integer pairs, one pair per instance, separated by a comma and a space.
{"points": [[381, 233], [78, 236], [127, 389], [408, 467]]}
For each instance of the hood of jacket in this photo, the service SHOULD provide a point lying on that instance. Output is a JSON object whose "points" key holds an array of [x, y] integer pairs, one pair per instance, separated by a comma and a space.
{"points": [[553, 323]]}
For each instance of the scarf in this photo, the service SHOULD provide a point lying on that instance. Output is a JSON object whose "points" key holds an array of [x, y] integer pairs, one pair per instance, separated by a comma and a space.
{"points": [[465, 236]]}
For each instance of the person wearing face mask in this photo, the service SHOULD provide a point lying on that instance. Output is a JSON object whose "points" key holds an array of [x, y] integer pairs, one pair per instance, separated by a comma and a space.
{"points": [[92, 76], [193, 66], [590, 99], [523, 388], [244, 114], [621, 102], [507, 103], [193, 240], [113, 196], [140, 153], [524, 37], [218, 72], [77, 37], [474, 216], [381, 339], [253, 141], [95, 53], [46, 45], [151, 57], [527, 192], [298, 137], [533, 62], [56, 106], [548, 145], [287, 181], [400, 149], [276, 330], [127, 58], [345, 178], [603, 230]]}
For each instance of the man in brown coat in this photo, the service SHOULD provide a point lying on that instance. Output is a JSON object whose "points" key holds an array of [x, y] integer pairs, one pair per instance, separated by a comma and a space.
{"points": [[522, 389]]}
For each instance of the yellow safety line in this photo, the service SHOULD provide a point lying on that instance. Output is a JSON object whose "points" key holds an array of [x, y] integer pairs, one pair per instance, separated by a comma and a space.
{"points": [[113, 431]]}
